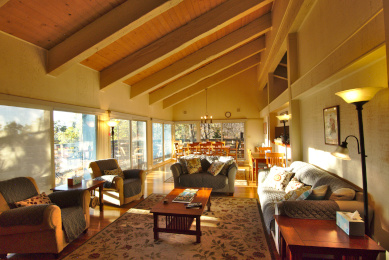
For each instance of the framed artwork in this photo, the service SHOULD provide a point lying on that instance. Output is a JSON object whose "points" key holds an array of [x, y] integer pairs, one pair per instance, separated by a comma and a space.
{"points": [[331, 125]]}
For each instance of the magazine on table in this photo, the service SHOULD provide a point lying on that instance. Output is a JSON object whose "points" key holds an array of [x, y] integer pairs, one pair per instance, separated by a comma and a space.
{"points": [[186, 196]]}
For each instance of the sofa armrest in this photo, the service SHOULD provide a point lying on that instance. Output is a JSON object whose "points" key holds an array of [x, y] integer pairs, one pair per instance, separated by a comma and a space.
{"points": [[176, 169], [231, 174], [70, 198], [50, 219], [133, 174]]}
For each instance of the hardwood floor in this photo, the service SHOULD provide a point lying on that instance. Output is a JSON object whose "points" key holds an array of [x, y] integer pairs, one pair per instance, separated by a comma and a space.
{"points": [[155, 183]]}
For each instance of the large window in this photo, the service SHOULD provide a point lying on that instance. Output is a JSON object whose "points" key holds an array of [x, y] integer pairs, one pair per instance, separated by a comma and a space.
{"points": [[167, 140], [211, 132], [25, 144], [122, 146], [74, 144], [157, 143], [233, 133], [139, 145], [186, 133]]}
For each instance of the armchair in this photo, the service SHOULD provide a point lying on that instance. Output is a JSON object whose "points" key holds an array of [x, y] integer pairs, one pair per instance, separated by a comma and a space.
{"points": [[40, 228], [117, 190]]}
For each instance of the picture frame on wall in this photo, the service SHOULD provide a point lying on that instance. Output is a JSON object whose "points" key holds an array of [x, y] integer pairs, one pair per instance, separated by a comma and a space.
{"points": [[331, 125]]}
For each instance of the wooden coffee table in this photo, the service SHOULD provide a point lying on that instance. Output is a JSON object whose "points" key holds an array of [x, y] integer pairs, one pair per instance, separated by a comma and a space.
{"points": [[315, 236], [178, 218], [85, 185]]}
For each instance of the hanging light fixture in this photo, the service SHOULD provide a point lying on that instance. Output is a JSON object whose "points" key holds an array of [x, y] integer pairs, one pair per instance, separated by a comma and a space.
{"points": [[206, 119]]}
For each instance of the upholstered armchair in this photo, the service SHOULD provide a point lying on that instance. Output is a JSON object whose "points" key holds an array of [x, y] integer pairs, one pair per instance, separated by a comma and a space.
{"points": [[119, 190], [41, 228]]}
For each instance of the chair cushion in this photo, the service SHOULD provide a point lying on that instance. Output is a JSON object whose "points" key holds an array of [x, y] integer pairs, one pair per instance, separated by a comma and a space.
{"points": [[17, 189], [203, 179], [108, 164]]}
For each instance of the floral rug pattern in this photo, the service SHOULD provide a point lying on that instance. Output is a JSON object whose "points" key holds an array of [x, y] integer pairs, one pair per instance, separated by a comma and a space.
{"points": [[232, 230]]}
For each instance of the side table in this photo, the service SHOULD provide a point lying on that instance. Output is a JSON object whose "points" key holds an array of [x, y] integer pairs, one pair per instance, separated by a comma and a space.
{"points": [[323, 237], [85, 185]]}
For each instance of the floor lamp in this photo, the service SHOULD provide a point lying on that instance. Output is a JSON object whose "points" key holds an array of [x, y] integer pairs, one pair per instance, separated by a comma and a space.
{"points": [[358, 97], [112, 124], [283, 119]]}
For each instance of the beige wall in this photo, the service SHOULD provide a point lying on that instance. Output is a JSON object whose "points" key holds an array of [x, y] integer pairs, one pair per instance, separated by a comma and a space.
{"points": [[327, 26], [23, 74], [239, 92]]}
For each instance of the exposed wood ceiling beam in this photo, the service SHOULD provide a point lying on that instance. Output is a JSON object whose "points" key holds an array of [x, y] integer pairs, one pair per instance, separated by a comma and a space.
{"points": [[212, 81], [284, 14], [214, 50], [208, 70], [97, 35], [204, 25], [3, 2]]}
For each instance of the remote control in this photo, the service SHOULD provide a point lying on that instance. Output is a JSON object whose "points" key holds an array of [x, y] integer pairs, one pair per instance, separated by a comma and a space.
{"points": [[194, 205]]}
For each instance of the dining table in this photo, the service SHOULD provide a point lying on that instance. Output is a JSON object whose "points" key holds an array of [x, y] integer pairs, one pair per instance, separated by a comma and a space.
{"points": [[257, 159]]}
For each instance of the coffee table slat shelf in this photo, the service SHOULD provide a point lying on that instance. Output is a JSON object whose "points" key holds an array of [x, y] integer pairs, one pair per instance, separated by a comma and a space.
{"points": [[178, 218]]}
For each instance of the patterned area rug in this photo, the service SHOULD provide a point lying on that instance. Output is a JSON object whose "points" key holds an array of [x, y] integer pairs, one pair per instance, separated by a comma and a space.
{"points": [[232, 230]]}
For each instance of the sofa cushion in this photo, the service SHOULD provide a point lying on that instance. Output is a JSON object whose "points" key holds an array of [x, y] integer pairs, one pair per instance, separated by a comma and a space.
{"points": [[35, 200], [299, 194], [228, 161], [318, 193], [293, 184], [215, 168], [343, 194], [193, 165], [278, 178], [203, 179]]}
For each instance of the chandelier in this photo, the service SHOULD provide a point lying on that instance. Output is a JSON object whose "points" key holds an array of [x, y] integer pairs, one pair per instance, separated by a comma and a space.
{"points": [[206, 119]]}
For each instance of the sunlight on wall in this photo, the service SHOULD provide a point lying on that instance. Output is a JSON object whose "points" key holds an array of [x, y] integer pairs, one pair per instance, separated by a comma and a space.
{"points": [[323, 159]]}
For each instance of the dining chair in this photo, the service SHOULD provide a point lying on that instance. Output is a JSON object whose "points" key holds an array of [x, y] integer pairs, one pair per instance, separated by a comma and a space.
{"points": [[205, 148], [263, 150], [193, 148], [178, 150], [234, 151], [275, 159]]}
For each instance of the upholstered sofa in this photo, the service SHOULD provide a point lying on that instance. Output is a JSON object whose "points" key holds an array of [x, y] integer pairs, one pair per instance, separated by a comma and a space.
{"points": [[223, 182], [118, 190], [273, 201], [44, 228]]}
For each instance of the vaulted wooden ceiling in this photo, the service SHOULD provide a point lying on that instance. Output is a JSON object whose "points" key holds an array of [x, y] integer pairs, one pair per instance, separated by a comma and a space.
{"points": [[167, 49]]}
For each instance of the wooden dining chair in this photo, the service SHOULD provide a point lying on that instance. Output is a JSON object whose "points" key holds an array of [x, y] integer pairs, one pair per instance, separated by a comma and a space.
{"points": [[263, 150], [193, 148], [178, 150], [275, 159], [234, 151], [205, 148]]}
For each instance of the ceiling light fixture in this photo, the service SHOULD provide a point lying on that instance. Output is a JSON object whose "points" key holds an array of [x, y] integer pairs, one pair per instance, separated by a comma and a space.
{"points": [[206, 119]]}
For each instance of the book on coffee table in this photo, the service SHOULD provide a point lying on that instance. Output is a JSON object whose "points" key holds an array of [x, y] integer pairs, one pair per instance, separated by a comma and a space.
{"points": [[186, 196]]}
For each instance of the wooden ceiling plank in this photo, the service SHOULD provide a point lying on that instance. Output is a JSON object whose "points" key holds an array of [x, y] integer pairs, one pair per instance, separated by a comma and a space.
{"points": [[212, 81], [179, 39], [214, 50], [95, 36], [3, 2], [210, 69]]}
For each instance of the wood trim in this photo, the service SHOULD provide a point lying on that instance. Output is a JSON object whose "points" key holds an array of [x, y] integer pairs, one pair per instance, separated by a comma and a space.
{"points": [[284, 14], [211, 69], [212, 81], [97, 35], [360, 44], [212, 21], [216, 49]]}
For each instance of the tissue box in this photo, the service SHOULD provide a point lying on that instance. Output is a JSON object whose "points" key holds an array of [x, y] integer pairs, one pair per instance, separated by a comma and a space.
{"points": [[352, 227], [74, 181]]}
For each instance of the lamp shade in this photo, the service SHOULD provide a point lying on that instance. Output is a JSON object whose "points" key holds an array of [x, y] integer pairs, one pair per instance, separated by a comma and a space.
{"points": [[112, 123], [358, 94], [341, 152], [284, 117]]}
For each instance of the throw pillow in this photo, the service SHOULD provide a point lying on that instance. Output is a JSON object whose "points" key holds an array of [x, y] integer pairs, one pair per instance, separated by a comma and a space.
{"points": [[299, 194], [193, 165], [216, 168], [36, 200], [228, 161], [182, 161], [318, 193], [278, 178], [117, 172], [294, 184], [343, 194]]}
